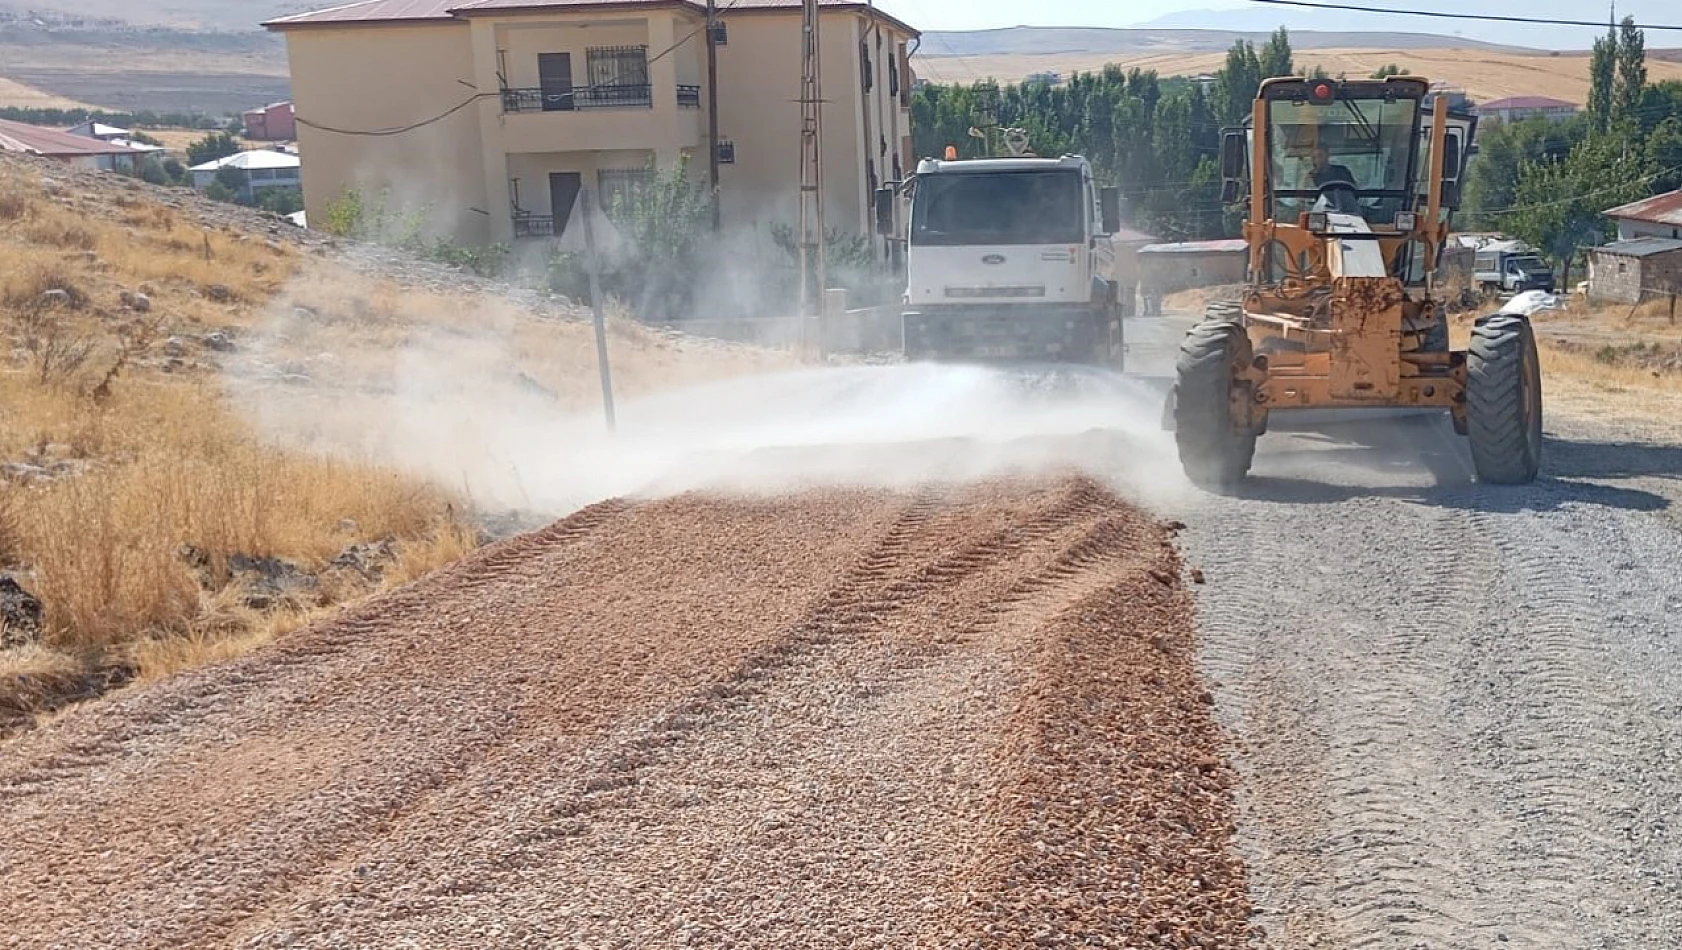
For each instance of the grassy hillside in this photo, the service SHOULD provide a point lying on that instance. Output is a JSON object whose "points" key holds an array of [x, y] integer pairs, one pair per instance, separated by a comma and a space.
{"points": [[160, 503]]}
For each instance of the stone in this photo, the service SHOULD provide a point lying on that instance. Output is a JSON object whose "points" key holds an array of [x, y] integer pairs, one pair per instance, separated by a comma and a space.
{"points": [[220, 341], [138, 302], [20, 614], [219, 293], [55, 298], [175, 347]]}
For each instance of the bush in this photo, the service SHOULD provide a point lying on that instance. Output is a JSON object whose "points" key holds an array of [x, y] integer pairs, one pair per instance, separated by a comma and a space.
{"points": [[211, 147]]}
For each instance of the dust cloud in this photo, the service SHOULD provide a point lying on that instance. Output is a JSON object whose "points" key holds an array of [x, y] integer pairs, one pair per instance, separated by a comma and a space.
{"points": [[516, 423]]}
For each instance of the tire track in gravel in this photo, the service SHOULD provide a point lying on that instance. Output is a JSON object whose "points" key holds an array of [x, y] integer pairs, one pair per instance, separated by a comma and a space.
{"points": [[836, 719], [1450, 706], [211, 812], [605, 782]]}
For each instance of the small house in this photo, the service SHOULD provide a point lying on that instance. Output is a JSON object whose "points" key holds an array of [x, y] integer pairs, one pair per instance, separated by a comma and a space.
{"points": [[1169, 268], [274, 122], [1632, 271], [81, 150], [260, 168]]}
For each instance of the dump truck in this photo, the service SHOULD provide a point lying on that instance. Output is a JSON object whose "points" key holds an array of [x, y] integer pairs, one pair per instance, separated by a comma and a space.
{"points": [[1351, 188], [1008, 261], [1511, 267]]}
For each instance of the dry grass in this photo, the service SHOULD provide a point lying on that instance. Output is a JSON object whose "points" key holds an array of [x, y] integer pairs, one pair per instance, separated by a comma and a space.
{"points": [[166, 479], [148, 462], [16, 94]]}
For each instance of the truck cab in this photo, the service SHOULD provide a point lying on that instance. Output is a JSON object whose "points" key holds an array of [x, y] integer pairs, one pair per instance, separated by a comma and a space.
{"points": [[1007, 259]]}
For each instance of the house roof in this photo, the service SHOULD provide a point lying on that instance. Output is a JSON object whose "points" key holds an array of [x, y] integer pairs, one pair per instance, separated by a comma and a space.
{"points": [[37, 140], [97, 129], [252, 159], [1640, 247], [421, 11], [1527, 102], [1659, 209], [1197, 247]]}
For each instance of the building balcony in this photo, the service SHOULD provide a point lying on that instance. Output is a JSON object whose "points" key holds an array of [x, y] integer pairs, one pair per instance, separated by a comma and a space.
{"points": [[621, 120], [533, 226], [592, 97]]}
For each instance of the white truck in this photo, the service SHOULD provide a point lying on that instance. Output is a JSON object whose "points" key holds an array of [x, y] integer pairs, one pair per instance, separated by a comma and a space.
{"points": [[1511, 267], [1008, 260]]}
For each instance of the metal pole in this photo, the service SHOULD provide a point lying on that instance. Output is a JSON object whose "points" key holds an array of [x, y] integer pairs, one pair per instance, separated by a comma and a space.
{"points": [[593, 266], [712, 103]]}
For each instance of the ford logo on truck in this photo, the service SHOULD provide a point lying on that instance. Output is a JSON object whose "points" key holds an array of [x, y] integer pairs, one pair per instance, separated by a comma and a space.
{"points": [[993, 259]]}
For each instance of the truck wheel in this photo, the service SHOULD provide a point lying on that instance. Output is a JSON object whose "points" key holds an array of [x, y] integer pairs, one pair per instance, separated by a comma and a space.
{"points": [[1214, 454], [1504, 401]]}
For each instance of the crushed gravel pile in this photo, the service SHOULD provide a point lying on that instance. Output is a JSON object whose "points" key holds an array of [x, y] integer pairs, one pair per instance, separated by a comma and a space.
{"points": [[965, 716]]}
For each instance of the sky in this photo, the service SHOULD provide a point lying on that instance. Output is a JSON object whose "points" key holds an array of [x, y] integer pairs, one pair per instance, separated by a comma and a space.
{"points": [[1244, 14]]}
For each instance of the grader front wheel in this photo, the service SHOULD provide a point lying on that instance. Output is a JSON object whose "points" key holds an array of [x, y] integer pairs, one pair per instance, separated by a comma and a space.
{"points": [[1214, 453], [1504, 401]]}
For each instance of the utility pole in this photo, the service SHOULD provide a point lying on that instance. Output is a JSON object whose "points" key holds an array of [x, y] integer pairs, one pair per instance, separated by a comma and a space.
{"points": [[812, 277], [712, 104]]}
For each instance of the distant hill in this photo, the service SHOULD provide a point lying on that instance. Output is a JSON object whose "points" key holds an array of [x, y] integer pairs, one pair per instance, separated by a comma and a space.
{"points": [[181, 14], [1455, 33], [1049, 40]]}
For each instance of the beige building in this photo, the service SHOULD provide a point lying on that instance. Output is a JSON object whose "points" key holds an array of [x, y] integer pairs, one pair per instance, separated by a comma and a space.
{"points": [[493, 114]]}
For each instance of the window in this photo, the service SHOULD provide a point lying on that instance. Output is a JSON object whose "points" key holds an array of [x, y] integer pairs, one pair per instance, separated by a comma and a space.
{"points": [[1368, 143], [999, 208], [893, 77], [726, 152], [620, 187], [721, 34], [868, 78], [618, 75]]}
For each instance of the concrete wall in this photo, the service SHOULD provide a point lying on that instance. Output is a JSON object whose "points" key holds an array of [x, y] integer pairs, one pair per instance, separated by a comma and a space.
{"points": [[371, 78]]}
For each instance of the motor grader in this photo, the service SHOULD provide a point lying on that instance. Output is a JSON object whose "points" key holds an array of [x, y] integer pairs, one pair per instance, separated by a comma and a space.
{"points": [[1351, 187]]}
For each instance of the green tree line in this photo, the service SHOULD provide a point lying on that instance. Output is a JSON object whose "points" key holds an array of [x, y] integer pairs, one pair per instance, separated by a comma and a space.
{"points": [[1156, 139]]}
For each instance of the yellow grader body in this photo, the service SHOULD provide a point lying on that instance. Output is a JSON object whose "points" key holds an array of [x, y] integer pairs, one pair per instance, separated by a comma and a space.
{"points": [[1340, 309]]}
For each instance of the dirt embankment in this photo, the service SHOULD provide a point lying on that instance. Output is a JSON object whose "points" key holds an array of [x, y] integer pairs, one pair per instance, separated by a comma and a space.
{"points": [[959, 717]]}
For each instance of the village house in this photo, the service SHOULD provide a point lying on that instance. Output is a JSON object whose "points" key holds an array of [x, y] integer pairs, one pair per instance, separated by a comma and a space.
{"points": [[1519, 108], [272, 123], [1637, 270], [258, 168], [493, 115], [82, 150], [1659, 216]]}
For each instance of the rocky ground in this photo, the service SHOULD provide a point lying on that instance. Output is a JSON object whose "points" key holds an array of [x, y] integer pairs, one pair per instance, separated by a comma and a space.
{"points": [[967, 716]]}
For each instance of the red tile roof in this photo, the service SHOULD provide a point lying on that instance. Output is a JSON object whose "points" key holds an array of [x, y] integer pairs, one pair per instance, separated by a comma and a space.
{"points": [[1659, 209], [36, 140], [388, 11], [1527, 102]]}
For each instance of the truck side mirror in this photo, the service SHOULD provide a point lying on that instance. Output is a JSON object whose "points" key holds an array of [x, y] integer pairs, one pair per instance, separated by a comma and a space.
{"points": [[1109, 201], [885, 211], [1235, 165]]}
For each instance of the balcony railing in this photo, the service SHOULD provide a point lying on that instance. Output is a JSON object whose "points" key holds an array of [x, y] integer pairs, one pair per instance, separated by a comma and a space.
{"points": [[534, 226], [578, 97], [593, 97]]}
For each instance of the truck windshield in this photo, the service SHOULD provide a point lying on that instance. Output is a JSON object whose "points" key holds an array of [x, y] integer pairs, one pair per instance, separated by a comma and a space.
{"points": [[1368, 144], [1005, 207]]}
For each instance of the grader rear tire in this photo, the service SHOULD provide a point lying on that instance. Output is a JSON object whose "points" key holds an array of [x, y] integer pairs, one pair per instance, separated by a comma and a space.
{"points": [[1504, 401], [1214, 454]]}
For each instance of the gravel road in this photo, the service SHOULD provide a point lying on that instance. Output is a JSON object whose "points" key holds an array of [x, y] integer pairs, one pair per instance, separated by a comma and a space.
{"points": [[964, 716], [1457, 709]]}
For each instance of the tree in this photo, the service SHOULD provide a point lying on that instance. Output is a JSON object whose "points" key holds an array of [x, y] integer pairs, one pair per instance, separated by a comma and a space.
{"points": [[1603, 71], [280, 200], [1276, 56], [1388, 70], [1632, 71], [1664, 154], [1236, 83], [1503, 149], [1559, 203], [211, 147], [233, 181]]}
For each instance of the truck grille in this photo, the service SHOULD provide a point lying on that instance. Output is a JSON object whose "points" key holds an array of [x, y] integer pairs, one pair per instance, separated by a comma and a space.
{"points": [[1024, 290]]}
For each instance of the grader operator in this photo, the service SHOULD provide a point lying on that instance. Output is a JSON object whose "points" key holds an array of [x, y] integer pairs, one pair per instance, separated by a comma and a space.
{"points": [[1351, 187]]}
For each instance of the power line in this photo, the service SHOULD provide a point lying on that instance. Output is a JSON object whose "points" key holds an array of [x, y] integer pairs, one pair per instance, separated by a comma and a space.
{"points": [[1545, 21]]}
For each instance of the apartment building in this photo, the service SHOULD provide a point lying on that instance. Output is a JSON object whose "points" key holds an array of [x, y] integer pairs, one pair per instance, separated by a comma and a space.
{"points": [[493, 115]]}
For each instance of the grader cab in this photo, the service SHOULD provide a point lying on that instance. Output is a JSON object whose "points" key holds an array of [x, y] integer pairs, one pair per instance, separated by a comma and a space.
{"points": [[1351, 188]]}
